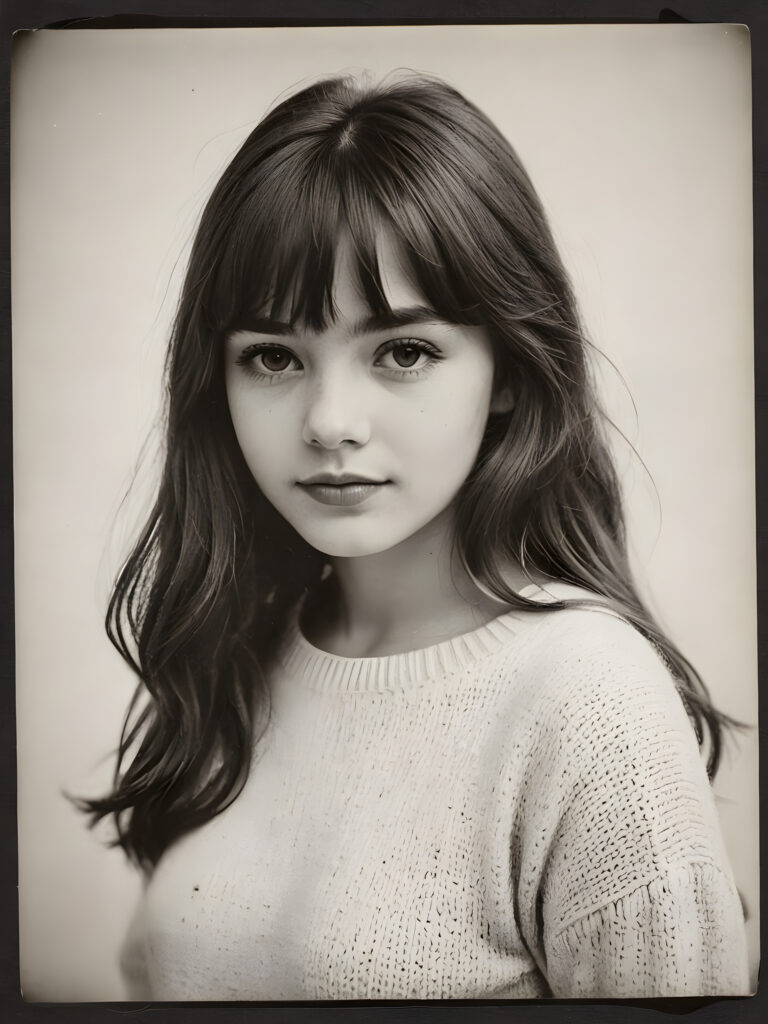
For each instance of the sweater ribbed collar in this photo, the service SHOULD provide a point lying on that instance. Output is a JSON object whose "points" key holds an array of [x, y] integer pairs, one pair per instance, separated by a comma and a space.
{"points": [[320, 670]]}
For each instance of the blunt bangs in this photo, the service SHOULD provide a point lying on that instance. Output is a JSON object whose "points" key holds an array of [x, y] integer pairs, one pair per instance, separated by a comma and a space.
{"points": [[372, 166]]}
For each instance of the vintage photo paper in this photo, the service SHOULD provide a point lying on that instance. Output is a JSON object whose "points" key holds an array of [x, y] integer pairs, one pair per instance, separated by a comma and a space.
{"points": [[638, 141]]}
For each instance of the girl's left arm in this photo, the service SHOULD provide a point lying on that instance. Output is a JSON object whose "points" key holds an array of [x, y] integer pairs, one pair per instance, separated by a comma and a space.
{"points": [[636, 898], [679, 934]]}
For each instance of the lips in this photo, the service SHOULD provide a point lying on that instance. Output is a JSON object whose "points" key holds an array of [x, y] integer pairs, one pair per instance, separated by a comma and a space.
{"points": [[342, 489], [339, 479]]}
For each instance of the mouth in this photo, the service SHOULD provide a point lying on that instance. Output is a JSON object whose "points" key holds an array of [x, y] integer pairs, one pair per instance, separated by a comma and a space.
{"points": [[338, 480], [344, 489]]}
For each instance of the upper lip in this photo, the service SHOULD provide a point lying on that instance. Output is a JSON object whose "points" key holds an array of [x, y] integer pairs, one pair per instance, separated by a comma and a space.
{"points": [[338, 479]]}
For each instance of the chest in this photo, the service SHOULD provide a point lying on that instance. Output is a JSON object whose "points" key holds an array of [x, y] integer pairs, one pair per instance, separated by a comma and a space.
{"points": [[347, 869]]}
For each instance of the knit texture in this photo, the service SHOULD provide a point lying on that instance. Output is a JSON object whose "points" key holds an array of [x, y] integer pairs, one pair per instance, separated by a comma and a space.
{"points": [[519, 812]]}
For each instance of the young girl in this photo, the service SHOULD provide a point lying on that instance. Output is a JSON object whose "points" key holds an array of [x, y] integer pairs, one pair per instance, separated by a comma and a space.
{"points": [[409, 731]]}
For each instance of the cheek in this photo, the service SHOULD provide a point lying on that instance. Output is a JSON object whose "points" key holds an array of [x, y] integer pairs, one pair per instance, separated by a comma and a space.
{"points": [[259, 432], [444, 432], [458, 414]]}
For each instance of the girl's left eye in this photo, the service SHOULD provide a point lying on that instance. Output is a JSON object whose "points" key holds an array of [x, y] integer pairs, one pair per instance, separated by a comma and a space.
{"points": [[407, 355]]}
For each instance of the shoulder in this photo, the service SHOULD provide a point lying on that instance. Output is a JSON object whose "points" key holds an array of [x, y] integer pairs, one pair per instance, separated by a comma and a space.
{"points": [[614, 734], [589, 656], [606, 711]]}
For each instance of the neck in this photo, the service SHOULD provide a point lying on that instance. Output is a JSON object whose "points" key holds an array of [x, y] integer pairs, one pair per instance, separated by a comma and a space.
{"points": [[405, 598]]}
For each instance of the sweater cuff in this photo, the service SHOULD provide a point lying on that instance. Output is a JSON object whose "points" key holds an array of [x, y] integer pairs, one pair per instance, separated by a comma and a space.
{"points": [[681, 934]]}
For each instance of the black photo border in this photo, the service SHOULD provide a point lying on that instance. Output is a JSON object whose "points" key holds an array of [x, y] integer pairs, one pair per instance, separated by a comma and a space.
{"points": [[20, 15]]}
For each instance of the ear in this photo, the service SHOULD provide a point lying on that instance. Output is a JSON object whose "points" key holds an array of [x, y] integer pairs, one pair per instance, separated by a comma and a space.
{"points": [[503, 400]]}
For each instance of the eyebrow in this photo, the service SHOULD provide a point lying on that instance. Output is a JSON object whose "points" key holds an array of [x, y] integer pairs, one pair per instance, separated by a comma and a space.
{"points": [[386, 321]]}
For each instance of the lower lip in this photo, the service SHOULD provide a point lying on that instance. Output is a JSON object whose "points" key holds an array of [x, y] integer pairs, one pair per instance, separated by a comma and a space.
{"points": [[341, 494]]}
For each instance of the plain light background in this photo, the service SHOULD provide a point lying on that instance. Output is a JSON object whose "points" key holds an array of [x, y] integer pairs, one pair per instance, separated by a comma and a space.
{"points": [[638, 141]]}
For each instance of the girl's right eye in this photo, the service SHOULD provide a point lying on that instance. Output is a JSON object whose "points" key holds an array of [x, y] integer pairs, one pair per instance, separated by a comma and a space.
{"points": [[268, 361]]}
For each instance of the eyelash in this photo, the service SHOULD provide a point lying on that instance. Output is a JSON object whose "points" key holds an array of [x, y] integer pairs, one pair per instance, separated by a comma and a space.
{"points": [[248, 355]]}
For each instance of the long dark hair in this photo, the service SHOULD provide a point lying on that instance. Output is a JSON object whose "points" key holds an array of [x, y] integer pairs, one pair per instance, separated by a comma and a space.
{"points": [[200, 604]]}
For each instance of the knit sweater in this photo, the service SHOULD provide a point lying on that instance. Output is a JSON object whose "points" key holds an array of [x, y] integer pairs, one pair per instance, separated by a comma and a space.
{"points": [[518, 812]]}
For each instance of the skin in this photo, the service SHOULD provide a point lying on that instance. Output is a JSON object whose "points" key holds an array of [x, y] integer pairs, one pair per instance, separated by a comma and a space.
{"points": [[341, 401]]}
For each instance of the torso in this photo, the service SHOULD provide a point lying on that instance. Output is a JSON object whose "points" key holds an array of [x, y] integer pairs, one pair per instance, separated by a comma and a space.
{"points": [[351, 866], [394, 837]]}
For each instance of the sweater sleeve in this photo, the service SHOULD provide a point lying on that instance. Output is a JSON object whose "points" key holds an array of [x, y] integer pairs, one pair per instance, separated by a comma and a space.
{"points": [[680, 934], [635, 898]]}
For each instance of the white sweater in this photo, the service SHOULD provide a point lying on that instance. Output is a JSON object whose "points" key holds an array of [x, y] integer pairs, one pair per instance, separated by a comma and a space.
{"points": [[518, 812]]}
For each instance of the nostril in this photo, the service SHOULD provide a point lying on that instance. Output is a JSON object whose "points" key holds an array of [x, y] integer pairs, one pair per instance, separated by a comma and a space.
{"points": [[315, 442]]}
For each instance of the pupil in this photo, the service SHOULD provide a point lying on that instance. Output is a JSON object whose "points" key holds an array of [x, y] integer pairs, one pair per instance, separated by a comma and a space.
{"points": [[406, 355], [275, 358]]}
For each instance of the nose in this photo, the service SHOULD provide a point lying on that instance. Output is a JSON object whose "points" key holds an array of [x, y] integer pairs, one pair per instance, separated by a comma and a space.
{"points": [[336, 413]]}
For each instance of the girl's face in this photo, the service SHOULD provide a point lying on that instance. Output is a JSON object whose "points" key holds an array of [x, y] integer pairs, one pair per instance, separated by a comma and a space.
{"points": [[361, 434]]}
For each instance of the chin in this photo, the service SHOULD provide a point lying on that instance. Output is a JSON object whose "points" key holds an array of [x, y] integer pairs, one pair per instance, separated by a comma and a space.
{"points": [[345, 544]]}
